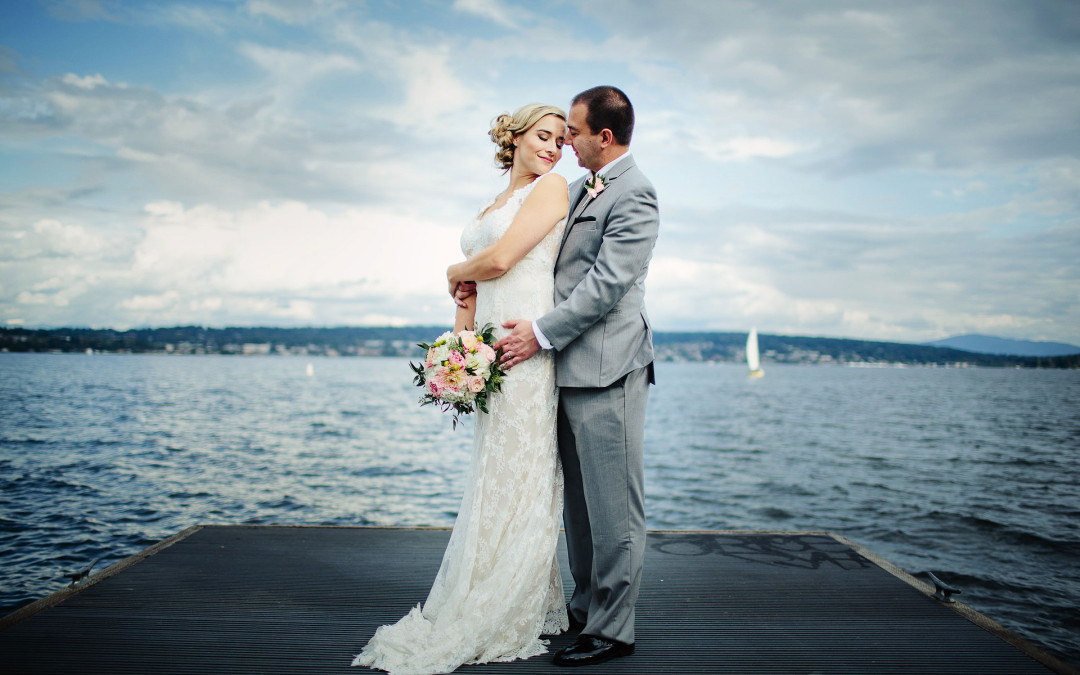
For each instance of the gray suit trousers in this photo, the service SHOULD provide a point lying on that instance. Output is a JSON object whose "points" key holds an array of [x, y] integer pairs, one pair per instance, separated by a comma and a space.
{"points": [[601, 442]]}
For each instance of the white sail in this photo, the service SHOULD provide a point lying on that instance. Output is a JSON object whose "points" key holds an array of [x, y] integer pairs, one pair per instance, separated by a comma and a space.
{"points": [[753, 358]]}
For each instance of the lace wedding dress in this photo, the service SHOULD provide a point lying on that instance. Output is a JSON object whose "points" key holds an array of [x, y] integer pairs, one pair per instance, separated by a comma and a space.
{"points": [[499, 587]]}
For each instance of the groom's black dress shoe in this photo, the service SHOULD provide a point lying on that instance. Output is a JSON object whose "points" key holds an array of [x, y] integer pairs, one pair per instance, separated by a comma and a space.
{"points": [[590, 649]]}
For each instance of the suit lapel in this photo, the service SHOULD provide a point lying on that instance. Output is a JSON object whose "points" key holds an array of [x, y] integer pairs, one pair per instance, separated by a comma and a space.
{"points": [[583, 200], [579, 204]]}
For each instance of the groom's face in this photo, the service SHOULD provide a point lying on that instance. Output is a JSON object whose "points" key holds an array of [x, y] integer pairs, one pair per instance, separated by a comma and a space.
{"points": [[586, 144]]}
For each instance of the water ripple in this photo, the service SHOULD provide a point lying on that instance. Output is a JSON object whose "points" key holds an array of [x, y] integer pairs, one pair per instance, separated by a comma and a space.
{"points": [[967, 473]]}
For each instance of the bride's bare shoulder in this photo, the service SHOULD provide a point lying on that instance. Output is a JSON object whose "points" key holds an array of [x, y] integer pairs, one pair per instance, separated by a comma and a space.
{"points": [[552, 180], [551, 187]]}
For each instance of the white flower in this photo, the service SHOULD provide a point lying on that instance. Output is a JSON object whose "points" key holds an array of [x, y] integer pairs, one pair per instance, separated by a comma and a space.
{"points": [[440, 352], [442, 339]]}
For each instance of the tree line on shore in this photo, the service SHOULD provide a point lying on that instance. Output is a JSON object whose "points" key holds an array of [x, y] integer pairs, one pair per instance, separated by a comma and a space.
{"points": [[401, 341]]}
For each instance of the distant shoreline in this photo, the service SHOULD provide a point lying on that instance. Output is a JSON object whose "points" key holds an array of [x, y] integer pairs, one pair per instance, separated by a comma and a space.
{"points": [[717, 347]]}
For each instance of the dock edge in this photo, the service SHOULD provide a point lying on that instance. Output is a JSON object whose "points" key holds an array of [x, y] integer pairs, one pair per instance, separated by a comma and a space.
{"points": [[55, 598]]}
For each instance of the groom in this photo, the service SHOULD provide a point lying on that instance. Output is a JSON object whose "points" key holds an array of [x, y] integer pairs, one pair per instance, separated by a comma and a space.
{"points": [[603, 367]]}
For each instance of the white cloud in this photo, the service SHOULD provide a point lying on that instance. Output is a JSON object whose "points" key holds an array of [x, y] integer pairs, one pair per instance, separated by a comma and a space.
{"points": [[292, 12], [287, 261], [493, 10], [56, 239], [426, 97], [87, 82], [309, 262], [151, 303], [207, 19], [845, 275], [432, 91], [50, 239], [896, 171], [297, 68], [748, 148], [909, 85], [29, 298]]}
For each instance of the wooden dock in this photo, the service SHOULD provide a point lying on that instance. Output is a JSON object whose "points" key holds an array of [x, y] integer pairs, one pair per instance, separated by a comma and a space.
{"points": [[303, 600]]}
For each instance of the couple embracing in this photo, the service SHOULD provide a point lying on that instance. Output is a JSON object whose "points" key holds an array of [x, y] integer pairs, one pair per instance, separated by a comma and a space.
{"points": [[561, 269]]}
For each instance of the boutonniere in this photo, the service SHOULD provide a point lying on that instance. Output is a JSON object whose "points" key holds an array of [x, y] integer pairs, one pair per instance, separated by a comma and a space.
{"points": [[595, 185]]}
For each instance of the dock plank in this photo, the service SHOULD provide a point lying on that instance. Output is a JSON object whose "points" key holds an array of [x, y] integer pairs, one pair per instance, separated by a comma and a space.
{"points": [[240, 599]]}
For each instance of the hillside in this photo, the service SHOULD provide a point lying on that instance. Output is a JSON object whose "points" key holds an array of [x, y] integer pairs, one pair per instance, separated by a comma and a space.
{"points": [[401, 341], [985, 344]]}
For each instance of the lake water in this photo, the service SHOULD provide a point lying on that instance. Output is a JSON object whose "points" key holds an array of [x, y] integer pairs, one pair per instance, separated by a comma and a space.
{"points": [[973, 474]]}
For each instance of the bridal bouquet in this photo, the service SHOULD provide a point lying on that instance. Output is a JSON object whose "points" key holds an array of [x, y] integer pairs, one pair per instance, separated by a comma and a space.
{"points": [[460, 371]]}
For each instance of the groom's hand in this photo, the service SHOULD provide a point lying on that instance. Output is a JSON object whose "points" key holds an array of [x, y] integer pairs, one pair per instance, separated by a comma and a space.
{"points": [[519, 345]]}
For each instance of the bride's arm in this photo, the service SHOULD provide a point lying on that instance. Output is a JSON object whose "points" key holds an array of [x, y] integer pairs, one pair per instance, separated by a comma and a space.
{"points": [[465, 319], [545, 206]]}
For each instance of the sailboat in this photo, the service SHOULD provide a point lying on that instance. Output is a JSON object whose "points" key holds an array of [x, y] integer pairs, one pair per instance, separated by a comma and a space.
{"points": [[753, 359]]}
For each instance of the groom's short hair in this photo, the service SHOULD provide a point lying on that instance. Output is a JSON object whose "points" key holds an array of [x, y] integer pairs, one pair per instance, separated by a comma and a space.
{"points": [[609, 108]]}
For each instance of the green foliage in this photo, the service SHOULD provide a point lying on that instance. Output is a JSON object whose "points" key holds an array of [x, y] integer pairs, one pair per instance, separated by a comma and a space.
{"points": [[472, 401]]}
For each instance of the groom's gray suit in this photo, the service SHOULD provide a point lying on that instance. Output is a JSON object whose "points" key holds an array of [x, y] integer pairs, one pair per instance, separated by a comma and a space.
{"points": [[603, 366]]}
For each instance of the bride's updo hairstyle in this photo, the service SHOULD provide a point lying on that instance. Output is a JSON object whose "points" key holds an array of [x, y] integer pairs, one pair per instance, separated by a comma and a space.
{"points": [[506, 128]]}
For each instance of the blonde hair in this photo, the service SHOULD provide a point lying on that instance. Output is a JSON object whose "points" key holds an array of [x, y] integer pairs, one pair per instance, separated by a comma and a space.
{"points": [[507, 127]]}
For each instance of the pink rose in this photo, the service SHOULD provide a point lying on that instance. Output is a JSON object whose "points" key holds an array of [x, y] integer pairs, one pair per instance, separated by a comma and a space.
{"points": [[457, 359], [487, 352], [436, 386], [468, 339], [595, 185], [476, 384]]}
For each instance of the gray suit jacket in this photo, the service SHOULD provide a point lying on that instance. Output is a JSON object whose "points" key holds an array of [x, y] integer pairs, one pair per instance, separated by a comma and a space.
{"points": [[599, 327]]}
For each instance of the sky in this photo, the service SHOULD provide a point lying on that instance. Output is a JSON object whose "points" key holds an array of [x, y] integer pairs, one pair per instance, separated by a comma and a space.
{"points": [[899, 171]]}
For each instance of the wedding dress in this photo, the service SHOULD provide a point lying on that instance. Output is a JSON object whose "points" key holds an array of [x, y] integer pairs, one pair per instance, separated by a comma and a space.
{"points": [[499, 587]]}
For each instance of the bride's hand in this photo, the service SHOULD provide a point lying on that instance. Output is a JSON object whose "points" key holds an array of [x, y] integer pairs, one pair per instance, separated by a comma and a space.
{"points": [[463, 290]]}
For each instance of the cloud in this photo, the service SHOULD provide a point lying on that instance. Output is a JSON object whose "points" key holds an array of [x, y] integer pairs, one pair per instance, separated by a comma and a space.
{"points": [[82, 10], [294, 66], [50, 239], [155, 303], [237, 150], [843, 274], [286, 261], [920, 84], [58, 240], [681, 132], [493, 10], [426, 94], [204, 19], [294, 13], [87, 82], [902, 170]]}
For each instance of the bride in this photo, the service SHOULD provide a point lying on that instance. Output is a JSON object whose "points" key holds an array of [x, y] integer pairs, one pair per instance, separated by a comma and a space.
{"points": [[499, 587]]}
